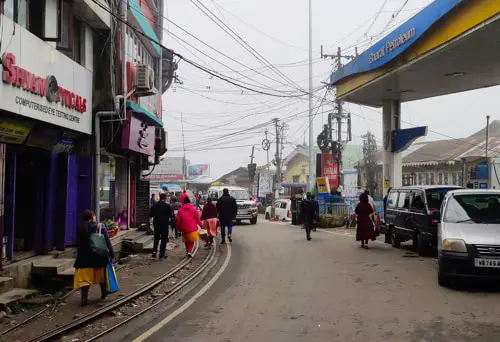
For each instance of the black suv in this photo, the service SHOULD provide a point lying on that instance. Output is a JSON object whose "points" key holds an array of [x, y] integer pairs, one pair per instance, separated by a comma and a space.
{"points": [[411, 214]]}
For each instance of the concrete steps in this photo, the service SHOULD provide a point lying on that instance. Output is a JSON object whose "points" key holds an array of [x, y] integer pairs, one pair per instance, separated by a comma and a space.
{"points": [[51, 267], [15, 295], [6, 284], [138, 242]]}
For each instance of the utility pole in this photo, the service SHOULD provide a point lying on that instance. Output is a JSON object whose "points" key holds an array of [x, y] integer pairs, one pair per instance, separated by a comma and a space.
{"points": [[311, 117], [487, 135], [338, 113], [251, 171], [277, 177], [267, 151], [184, 166]]}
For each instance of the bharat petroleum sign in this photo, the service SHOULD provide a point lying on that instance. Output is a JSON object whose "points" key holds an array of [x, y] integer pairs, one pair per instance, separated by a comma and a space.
{"points": [[47, 87], [392, 45]]}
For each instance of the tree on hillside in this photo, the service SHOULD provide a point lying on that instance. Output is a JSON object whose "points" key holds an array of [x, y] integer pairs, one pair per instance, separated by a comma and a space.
{"points": [[370, 161]]}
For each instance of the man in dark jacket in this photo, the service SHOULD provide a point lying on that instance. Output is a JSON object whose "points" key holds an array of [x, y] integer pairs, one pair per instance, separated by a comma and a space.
{"points": [[161, 214], [310, 213], [227, 210]]}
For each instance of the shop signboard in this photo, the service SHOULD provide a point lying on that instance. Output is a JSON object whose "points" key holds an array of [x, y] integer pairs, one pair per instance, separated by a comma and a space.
{"points": [[52, 138], [41, 83], [330, 169], [169, 168], [138, 136], [43, 136], [14, 131], [199, 170]]}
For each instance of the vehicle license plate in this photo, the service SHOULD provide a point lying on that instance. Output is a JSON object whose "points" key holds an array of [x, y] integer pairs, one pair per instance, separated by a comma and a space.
{"points": [[242, 212], [493, 263]]}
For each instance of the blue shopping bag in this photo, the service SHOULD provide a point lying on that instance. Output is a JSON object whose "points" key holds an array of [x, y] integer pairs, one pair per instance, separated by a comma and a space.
{"points": [[111, 280]]}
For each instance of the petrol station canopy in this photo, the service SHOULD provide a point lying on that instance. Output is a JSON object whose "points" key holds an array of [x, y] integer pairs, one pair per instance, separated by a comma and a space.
{"points": [[450, 46]]}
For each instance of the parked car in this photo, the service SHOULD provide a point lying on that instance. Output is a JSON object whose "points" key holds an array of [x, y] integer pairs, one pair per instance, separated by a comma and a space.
{"points": [[283, 210], [469, 235], [410, 215], [247, 208]]}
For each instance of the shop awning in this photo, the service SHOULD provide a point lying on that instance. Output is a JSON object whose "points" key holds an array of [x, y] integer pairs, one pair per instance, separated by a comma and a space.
{"points": [[145, 25], [143, 114]]}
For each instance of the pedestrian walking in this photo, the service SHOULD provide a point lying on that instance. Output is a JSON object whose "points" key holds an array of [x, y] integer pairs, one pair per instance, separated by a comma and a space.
{"points": [[183, 195], [365, 229], [153, 200], [227, 210], [175, 209], [310, 213], [198, 199], [188, 221], [94, 253], [162, 214], [210, 221]]}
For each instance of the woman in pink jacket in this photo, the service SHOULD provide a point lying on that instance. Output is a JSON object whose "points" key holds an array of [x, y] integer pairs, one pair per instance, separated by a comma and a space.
{"points": [[188, 221]]}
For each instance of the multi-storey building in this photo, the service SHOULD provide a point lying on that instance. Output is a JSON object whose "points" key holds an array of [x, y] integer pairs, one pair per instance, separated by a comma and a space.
{"points": [[64, 61]]}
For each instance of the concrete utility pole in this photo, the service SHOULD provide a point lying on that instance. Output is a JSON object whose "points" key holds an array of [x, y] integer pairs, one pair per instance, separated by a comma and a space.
{"points": [[250, 185], [311, 117], [277, 177]]}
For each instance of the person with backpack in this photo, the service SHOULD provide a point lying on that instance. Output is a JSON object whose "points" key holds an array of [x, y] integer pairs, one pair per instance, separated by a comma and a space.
{"points": [[94, 254]]}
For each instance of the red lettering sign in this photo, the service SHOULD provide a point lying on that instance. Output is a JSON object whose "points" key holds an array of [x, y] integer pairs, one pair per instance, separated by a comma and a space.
{"points": [[330, 169], [21, 78]]}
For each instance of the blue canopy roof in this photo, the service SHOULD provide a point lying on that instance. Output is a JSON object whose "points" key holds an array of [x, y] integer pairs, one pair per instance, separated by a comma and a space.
{"points": [[147, 116]]}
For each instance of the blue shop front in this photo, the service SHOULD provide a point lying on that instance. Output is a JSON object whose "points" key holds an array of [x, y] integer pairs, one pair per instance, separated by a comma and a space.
{"points": [[45, 164]]}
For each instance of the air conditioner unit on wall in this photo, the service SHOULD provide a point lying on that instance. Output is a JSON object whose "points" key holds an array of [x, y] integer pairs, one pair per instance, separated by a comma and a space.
{"points": [[145, 78]]}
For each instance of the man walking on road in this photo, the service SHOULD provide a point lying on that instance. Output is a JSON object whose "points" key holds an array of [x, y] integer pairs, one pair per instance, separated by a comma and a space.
{"points": [[162, 214], [227, 210], [310, 213]]}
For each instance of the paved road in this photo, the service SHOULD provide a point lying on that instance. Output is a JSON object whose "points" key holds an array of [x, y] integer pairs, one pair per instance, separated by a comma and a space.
{"points": [[279, 287]]}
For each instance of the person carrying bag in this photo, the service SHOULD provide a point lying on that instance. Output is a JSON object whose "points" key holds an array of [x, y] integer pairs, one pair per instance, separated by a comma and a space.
{"points": [[94, 254]]}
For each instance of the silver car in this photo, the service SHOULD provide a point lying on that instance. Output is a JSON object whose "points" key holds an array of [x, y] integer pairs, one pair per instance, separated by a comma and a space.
{"points": [[469, 235]]}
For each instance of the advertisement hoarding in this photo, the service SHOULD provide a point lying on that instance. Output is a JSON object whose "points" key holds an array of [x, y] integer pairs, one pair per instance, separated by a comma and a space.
{"points": [[169, 168], [330, 169], [265, 184], [199, 170]]}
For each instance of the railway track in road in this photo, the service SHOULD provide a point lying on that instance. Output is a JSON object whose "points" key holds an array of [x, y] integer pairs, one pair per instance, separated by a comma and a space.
{"points": [[41, 312], [162, 280]]}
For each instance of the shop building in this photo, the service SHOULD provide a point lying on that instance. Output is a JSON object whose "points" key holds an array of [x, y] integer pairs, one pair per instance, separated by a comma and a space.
{"points": [[131, 143], [46, 106]]}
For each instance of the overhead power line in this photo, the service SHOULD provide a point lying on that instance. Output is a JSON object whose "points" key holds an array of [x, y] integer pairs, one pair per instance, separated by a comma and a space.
{"points": [[229, 31], [192, 63]]}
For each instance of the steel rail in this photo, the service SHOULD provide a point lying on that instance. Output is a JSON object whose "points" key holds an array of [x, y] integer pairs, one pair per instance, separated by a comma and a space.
{"points": [[29, 319], [48, 336], [170, 293]]}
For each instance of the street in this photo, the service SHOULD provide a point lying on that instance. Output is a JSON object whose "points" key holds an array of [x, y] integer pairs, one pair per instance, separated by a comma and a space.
{"points": [[279, 287]]}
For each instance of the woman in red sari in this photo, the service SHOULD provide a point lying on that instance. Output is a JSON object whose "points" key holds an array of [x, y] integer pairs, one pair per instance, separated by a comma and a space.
{"points": [[365, 230]]}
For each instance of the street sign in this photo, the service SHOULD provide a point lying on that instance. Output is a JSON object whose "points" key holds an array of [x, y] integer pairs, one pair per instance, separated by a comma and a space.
{"points": [[323, 185]]}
